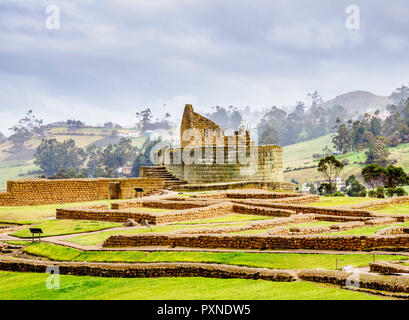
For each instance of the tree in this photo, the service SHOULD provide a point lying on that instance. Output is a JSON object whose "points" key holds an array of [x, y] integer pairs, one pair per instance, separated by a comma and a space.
{"points": [[117, 155], [354, 188], [52, 156], [374, 175], [143, 158], [377, 152], [330, 167], [145, 118], [24, 130], [342, 140], [75, 124], [396, 176], [400, 94]]}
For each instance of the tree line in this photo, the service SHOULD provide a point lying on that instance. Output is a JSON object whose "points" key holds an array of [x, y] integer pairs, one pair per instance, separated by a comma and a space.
{"points": [[373, 134], [60, 160], [383, 181]]}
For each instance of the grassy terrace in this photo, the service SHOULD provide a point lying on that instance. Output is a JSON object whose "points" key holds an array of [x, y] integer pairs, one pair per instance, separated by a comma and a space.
{"points": [[34, 214], [100, 237], [339, 201], [302, 225], [265, 260], [62, 227], [394, 209], [367, 230], [229, 218], [24, 286]]}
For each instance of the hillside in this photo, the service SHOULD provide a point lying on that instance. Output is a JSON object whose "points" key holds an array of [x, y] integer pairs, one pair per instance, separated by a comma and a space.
{"points": [[19, 165], [298, 160], [360, 101]]}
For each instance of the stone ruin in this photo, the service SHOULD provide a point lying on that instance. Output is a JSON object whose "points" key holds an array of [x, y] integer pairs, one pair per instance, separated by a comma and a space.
{"points": [[207, 155]]}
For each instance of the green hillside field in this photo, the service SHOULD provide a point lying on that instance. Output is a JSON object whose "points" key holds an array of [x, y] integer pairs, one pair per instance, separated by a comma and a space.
{"points": [[19, 165], [300, 165]]}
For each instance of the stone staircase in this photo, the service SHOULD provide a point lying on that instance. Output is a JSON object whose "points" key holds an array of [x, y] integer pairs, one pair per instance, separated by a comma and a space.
{"points": [[161, 173]]}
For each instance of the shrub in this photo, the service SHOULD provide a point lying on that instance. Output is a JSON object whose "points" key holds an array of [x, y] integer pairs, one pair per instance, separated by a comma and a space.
{"points": [[336, 194], [380, 192], [362, 193], [372, 193], [400, 192], [390, 192]]}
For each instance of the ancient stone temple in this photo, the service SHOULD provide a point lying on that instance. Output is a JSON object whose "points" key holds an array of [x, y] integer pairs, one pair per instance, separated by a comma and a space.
{"points": [[207, 155]]}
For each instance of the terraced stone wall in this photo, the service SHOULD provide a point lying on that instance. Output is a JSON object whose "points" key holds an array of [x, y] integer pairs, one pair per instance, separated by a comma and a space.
{"points": [[48, 191], [314, 242], [264, 164]]}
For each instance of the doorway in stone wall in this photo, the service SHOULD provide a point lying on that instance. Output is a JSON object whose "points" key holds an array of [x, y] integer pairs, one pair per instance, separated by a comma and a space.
{"points": [[114, 190]]}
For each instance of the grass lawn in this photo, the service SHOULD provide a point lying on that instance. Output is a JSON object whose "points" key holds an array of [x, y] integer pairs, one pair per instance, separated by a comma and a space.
{"points": [[265, 260], [339, 201], [61, 227], [230, 218], [393, 209], [100, 237], [34, 214], [32, 286], [367, 230]]}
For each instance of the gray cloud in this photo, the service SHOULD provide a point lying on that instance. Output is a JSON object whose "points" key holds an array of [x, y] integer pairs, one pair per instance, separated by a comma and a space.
{"points": [[112, 58]]}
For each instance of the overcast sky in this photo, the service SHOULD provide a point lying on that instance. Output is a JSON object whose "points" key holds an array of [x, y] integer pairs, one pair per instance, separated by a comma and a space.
{"points": [[110, 59]]}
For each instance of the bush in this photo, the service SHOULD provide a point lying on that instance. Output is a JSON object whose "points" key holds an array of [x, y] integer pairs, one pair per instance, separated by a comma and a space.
{"points": [[336, 194], [400, 192], [362, 193], [390, 192], [380, 192], [372, 193]]}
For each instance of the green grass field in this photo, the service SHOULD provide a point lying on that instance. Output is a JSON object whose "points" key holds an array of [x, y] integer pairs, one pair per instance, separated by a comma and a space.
{"points": [[339, 201], [34, 214], [62, 227], [264, 260], [100, 237], [394, 209], [32, 286], [299, 155], [367, 230], [229, 218]]}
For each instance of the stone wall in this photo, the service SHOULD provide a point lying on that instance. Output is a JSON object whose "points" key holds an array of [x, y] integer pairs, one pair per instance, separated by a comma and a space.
{"points": [[314, 242], [145, 270], [264, 164], [367, 281], [211, 211], [49, 191], [306, 209], [388, 267], [274, 186]]}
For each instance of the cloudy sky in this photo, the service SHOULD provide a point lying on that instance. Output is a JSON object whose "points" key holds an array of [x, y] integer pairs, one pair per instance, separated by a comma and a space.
{"points": [[110, 59]]}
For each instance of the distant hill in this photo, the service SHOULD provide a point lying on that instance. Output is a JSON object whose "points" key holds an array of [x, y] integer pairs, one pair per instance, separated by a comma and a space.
{"points": [[359, 101], [19, 165]]}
